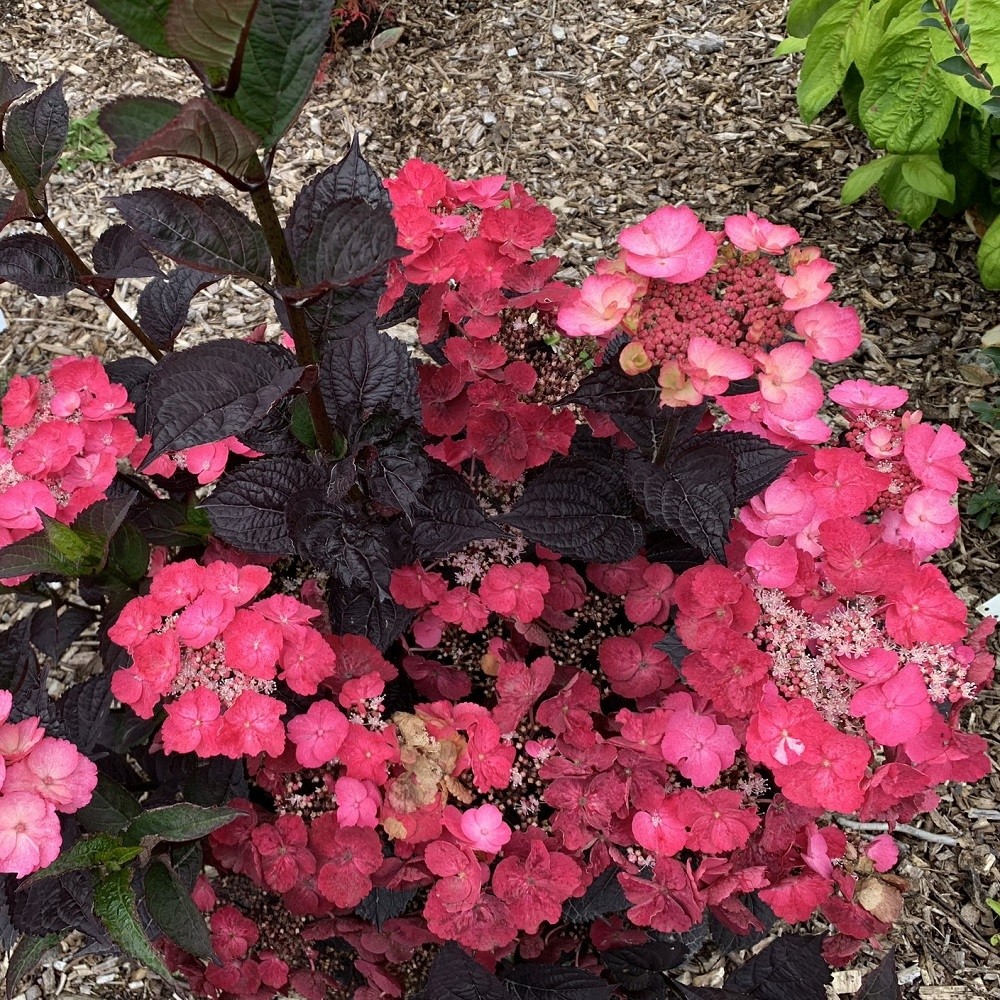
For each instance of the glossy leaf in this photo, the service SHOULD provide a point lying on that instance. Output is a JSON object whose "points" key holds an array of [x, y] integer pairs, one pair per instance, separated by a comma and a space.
{"points": [[165, 302], [803, 15], [828, 55], [130, 121], [115, 904], [171, 906], [34, 262], [118, 253], [178, 822], [94, 852], [110, 809], [34, 137], [26, 956], [862, 179], [203, 132], [206, 233]]}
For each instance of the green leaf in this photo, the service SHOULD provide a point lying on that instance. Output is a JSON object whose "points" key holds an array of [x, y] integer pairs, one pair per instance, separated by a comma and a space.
{"points": [[876, 23], [203, 132], [913, 207], [287, 39], [211, 34], [171, 906], [34, 137], [789, 45], [924, 173], [862, 179], [988, 257], [26, 956], [983, 39], [301, 422], [130, 121], [69, 545], [110, 809], [34, 554], [128, 555], [179, 822], [904, 108], [803, 15], [97, 851], [144, 21], [115, 904], [955, 65], [828, 55], [86, 142]]}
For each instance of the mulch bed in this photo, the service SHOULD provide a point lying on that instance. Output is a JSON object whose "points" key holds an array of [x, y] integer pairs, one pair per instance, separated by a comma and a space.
{"points": [[603, 111]]}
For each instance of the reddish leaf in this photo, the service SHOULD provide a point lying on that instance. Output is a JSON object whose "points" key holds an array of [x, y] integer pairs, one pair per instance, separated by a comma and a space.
{"points": [[130, 121], [203, 132], [35, 136]]}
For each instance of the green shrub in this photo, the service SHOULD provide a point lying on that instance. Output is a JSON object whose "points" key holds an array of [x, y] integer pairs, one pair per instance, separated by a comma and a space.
{"points": [[915, 77]]}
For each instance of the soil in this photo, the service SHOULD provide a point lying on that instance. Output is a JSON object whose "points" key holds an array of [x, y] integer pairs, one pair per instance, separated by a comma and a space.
{"points": [[603, 111]]}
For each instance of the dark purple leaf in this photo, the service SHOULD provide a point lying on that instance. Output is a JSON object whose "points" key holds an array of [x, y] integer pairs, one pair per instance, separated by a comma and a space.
{"points": [[580, 509], [350, 178], [14, 209], [250, 507], [453, 519], [555, 982], [638, 970], [144, 21], [790, 966], [348, 244], [456, 976], [35, 136], [53, 632], [286, 41], [758, 462], [729, 940], [172, 909], [118, 253], [84, 709], [35, 263], [27, 956], [130, 121], [54, 904], [211, 34], [881, 983], [12, 88], [203, 132], [206, 233], [343, 540], [164, 303], [603, 896], [211, 391], [699, 512], [354, 612], [709, 993], [396, 477], [381, 905], [366, 373]]}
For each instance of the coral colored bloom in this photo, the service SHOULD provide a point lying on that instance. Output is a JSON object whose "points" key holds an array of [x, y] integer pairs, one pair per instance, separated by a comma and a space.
{"points": [[251, 726], [695, 743], [832, 332], [711, 366], [806, 285], [318, 734], [897, 709], [191, 725], [357, 802], [858, 395], [661, 832], [671, 243], [598, 307], [932, 455], [56, 771]]}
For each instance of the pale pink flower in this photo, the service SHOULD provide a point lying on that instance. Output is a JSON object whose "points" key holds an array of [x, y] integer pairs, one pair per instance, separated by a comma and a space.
{"points": [[485, 829], [784, 508], [30, 837], [883, 851], [773, 565], [789, 386], [932, 454], [675, 387], [18, 738], [831, 331], [712, 366], [57, 771], [598, 307], [751, 233], [357, 802], [806, 285], [930, 521], [671, 243], [858, 395]]}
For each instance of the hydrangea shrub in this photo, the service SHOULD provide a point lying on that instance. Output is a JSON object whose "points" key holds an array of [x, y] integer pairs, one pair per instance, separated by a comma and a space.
{"points": [[526, 659]]}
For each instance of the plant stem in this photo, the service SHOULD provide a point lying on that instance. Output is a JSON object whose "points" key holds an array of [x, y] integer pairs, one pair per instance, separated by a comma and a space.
{"points": [[108, 297], [961, 49], [305, 350]]}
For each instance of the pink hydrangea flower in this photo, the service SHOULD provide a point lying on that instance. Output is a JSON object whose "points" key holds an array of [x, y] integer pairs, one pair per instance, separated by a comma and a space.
{"points": [[832, 332], [806, 285], [858, 395], [712, 366], [251, 726], [671, 243], [192, 723], [661, 831], [788, 384], [897, 709], [318, 734], [484, 828], [883, 851], [695, 743], [932, 454], [56, 771], [357, 802], [598, 307], [30, 837], [752, 233]]}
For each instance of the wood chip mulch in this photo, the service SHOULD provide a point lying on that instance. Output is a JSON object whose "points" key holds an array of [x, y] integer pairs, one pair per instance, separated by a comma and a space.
{"points": [[603, 111]]}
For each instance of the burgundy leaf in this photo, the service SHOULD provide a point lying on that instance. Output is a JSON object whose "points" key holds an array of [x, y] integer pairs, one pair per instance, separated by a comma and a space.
{"points": [[164, 303], [118, 253], [130, 121], [351, 242], [249, 507], [208, 233], [454, 975], [12, 88], [350, 178], [35, 136], [212, 391], [35, 263], [881, 983], [790, 966], [203, 132], [15, 209]]}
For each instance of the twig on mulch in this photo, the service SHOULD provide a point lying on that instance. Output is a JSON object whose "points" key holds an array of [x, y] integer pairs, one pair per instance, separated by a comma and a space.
{"points": [[909, 831]]}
